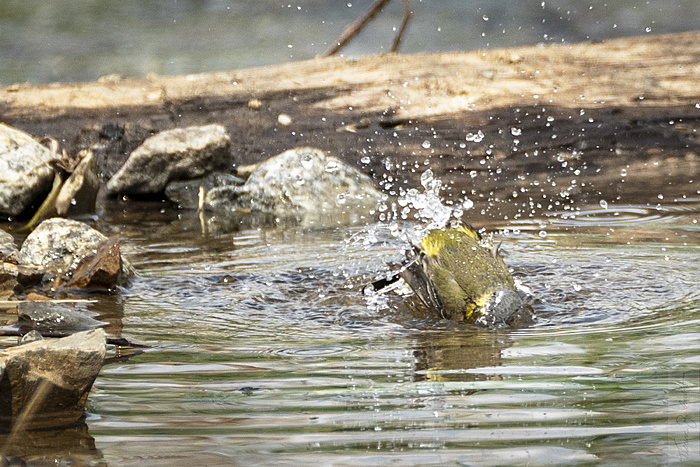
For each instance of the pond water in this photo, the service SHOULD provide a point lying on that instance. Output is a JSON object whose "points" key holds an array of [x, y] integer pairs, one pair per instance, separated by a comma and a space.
{"points": [[264, 348]]}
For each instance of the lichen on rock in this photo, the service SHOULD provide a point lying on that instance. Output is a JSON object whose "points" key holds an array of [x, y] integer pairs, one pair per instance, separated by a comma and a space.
{"points": [[24, 170], [299, 181]]}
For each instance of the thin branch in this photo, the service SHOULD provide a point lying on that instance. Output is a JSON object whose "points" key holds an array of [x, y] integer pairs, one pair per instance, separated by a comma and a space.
{"points": [[355, 27], [407, 14]]}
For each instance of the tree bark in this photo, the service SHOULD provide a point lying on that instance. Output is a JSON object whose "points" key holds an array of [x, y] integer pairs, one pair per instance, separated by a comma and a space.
{"points": [[520, 130]]}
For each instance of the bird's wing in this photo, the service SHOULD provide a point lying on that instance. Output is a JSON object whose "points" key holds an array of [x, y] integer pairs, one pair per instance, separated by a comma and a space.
{"points": [[414, 274]]}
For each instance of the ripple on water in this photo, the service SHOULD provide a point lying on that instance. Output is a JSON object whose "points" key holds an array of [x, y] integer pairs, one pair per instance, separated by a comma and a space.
{"points": [[269, 351]]}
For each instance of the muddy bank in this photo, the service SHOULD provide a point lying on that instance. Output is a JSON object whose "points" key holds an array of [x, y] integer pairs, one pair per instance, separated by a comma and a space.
{"points": [[520, 131]]}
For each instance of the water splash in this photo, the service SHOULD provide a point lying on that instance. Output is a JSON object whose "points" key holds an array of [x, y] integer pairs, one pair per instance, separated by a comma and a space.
{"points": [[427, 205]]}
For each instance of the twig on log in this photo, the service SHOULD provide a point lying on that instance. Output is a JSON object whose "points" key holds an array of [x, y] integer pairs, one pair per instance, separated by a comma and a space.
{"points": [[354, 28]]}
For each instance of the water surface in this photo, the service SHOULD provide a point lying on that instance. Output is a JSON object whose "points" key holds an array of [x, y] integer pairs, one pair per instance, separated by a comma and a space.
{"points": [[265, 349]]}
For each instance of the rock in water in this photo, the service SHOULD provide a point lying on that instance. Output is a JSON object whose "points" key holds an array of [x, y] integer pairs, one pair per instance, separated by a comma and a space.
{"points": [[100, 270], [176, 154], [59, 245], [24, 170], [8, 248], [45, 383], [298, 181], [48, 316]]}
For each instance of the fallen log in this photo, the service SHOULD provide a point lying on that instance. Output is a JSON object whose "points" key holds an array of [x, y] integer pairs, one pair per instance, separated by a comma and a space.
{"points": [[520, 131]]}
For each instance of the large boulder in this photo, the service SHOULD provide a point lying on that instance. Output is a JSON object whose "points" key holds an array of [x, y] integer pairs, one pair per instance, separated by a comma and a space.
{"points": [[45, 383], [24, 170], [176, 154], [299, 181]]}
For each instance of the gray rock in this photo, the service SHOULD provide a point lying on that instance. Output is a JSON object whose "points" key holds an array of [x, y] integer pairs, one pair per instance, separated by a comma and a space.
{"points": [[176, 154], [186, 192], [9, 283], [24, 170], [8, 248], [58, 245], [49, 378], [298, 181], [44, 315]]}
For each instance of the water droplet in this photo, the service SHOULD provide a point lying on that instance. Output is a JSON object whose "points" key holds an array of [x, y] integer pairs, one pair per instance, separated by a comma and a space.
{"points": [[426, 144], [477, 138], [284, 119], [467, 204], [603, 204], [660, 196], [426, 178], [485, 18], [623, 172], [543, 233], [366, 160], [516, 131]]}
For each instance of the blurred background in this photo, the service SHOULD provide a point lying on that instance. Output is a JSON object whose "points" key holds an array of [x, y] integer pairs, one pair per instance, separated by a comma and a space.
{"points": [[81, 40]]}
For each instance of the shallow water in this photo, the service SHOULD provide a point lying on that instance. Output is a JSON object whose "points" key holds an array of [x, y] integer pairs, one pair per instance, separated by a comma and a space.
{"points": [[265, 349]]}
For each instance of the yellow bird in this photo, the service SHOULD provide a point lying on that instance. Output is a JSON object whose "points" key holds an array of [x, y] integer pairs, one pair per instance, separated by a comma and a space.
{"points": [[460, 276]]}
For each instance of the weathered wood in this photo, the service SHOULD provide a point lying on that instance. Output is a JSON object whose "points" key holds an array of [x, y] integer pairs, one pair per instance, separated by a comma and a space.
{"points": [[617, 120]]}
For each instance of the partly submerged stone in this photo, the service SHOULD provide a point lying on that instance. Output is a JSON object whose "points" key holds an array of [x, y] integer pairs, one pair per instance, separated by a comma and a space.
{"points": [[24, 170], [185, 193], [45, 383], [100, 270], [48, 316], [176, 154], [9, 283], [299, 181], [8, 248], [59, 245]]}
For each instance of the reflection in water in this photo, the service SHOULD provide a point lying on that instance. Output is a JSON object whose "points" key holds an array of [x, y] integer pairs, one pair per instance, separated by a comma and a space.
{"points": [[68, 446], [445, 356]]}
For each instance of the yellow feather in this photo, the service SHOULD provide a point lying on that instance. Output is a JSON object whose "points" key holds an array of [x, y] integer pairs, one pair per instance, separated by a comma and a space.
{"points": [[469, 231]]}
